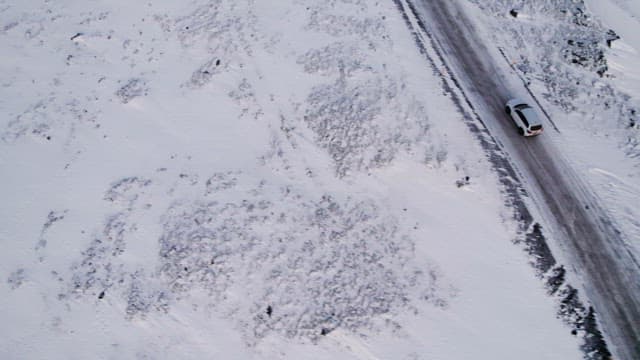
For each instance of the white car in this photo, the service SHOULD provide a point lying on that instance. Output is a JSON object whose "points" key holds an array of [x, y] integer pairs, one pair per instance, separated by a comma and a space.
{"points": [[525, 118]]}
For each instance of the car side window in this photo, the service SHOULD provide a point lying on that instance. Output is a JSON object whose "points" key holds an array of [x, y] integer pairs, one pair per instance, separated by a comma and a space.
{"points": [[523, 118]]}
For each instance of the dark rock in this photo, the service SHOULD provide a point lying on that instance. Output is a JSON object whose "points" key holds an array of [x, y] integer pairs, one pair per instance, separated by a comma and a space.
{"points": [[594, 343], [610, 37], [556, 279], [513, 13], [536, 245]]}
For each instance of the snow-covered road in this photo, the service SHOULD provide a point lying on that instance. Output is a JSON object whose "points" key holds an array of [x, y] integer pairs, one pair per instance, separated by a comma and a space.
{"points": [[577, 223]]}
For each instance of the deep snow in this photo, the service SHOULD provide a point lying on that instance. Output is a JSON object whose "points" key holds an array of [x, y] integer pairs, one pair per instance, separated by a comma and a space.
{"points": [[170, 170]]}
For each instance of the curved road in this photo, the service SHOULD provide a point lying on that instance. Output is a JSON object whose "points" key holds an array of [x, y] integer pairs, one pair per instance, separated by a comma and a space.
{"points": [[580, 226]]}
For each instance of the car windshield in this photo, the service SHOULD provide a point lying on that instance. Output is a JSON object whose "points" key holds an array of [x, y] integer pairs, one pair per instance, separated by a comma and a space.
{"points": [[523, 118], [536, 127], [521, 107]]}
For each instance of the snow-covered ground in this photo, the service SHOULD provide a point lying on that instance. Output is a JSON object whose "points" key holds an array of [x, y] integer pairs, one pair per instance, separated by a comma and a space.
{"points": [[245, 179]]}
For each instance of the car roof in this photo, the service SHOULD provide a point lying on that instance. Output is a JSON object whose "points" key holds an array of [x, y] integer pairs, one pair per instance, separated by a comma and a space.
{"points": [[531, 116]]}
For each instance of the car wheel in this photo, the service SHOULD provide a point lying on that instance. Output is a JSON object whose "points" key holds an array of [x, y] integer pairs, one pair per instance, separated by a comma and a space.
{"points": [[507, 110], [520, 131]]}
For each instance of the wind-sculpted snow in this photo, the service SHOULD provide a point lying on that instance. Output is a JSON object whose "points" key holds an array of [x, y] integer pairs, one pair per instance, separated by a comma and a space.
{"points": [[35, 120], [101, 268], [55, 106], [338, 25], [96, 271], [16, 278], [205, 73], [317, 263], [238, 178], [126, 190], [224, 28], [334, 59], [362, 116], [52, 218], [221, 181], [221, 23], [132, 89], [361, 124], [245, 97], [323, 265]]}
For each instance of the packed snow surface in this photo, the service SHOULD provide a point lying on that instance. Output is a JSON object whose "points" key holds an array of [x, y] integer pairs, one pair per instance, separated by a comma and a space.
{"points": [[245, 179]]}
